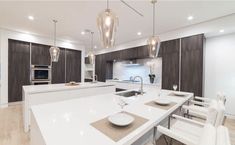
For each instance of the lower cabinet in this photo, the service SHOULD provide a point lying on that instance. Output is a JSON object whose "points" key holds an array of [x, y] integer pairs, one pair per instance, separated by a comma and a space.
{"points": [[18, 68]]}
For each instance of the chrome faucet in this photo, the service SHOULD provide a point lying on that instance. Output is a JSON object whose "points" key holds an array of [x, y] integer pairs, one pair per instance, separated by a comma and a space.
{"points": [[131, 78], [141, 87]]}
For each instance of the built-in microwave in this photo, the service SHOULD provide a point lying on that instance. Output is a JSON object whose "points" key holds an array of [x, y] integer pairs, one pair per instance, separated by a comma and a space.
{"points": [[40, 73]]}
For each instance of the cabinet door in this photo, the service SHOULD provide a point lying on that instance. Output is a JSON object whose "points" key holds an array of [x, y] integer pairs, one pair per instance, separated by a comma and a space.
{"points": [[100, 67], [18, 68], [142, 52], [170, 63], [40, 54], [129, 54], [73, 65], [192, 64], [58, 68]]}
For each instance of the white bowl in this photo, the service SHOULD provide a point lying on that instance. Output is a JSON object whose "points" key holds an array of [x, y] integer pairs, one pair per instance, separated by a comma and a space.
{"points": [[162, 101], [121, 119], [179, 93]]}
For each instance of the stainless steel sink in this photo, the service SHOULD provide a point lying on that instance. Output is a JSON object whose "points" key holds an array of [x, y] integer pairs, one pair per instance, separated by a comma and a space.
{"points": [[129, 94]]}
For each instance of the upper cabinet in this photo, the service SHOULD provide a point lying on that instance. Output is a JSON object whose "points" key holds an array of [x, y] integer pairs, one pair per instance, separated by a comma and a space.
{"points": [[58, 68], [73, 65], [40, 54], [192, 64]]}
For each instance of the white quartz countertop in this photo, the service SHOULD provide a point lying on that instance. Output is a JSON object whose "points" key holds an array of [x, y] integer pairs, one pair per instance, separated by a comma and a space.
{"points": [[61, 87], [68, 122]]}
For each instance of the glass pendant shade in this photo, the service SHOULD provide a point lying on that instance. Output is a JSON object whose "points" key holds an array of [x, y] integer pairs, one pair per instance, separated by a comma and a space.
{"points": [[154, 46], [107, 23], [91, 58], [153, 41], [54, 53]]}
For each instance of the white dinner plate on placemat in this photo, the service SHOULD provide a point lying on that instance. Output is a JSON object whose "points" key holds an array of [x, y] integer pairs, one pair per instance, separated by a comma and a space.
{"points": [[162, 101], [179, 93], [121, 119]]}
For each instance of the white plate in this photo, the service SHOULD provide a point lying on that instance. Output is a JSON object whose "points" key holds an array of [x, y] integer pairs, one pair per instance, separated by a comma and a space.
{"points": [[162, 101], [179, 93], [121, 119]]}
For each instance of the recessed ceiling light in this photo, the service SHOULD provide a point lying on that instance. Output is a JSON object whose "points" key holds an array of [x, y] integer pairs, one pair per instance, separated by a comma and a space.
{"points": [[190, 18], [221, 31], [31, 18], [83, 33], [139, 33]]}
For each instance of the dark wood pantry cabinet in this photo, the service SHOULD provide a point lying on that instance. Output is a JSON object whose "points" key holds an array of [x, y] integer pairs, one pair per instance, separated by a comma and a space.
{"points": [[18, 68], [68, 67], [170, 63], [73, 65], [58, 69], [40, 54], [192, 64]]}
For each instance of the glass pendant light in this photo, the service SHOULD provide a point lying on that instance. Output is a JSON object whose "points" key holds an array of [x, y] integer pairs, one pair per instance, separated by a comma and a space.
{"points": [[107, 23], [154, 41], [54, 50], [91, 55]]}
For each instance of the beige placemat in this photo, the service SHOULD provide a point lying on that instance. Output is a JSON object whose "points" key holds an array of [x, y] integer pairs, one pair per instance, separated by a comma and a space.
{"points": [[165, 107], [116, 133]]}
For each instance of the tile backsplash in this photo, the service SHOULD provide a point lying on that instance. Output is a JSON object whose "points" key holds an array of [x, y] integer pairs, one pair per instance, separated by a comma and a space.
{"points": [[123, 70]]}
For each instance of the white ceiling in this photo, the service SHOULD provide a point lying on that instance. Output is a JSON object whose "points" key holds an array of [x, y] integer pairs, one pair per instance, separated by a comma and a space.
{"points": [[75, 16]]}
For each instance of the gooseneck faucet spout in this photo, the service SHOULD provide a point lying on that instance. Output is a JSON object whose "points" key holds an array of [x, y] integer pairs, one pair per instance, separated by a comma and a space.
{"points": [[141, 87]]}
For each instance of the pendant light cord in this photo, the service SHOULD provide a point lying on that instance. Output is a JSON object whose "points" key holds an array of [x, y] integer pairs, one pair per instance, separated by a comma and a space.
{"points": [[107, 4], [55, 21], [92, 35], [154, 18]]}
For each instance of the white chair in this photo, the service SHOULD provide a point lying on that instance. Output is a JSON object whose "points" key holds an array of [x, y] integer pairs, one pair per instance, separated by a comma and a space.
{"points": [[209, 135], [203, 112], [222, 136], [191, 136]]}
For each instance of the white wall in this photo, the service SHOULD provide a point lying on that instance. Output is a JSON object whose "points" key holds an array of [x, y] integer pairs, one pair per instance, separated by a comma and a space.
{"points": [[219, 70], [124, 72], [7, 34]]}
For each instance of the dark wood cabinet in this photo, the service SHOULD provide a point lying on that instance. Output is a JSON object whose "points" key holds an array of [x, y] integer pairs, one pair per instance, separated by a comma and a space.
{"points": [[40, 54], [73, 65], [58, 68], [192, 64], [109, 70], [87, 60], [100, 67], [142, 52], [129, 54], [170, 51], [18, 68]]}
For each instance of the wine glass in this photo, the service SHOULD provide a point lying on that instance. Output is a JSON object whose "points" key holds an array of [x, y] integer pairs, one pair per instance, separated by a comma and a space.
{"points": [[122, 103], [174, 87]]}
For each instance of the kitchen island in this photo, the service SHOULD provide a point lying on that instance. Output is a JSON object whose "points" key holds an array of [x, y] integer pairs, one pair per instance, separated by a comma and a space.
{"points": [[43, 94], [70, 122]]}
